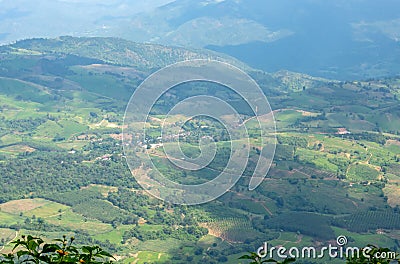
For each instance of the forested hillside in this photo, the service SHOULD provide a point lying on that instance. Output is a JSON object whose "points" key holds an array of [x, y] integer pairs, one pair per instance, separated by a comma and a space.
{"points": [[63, 169]]}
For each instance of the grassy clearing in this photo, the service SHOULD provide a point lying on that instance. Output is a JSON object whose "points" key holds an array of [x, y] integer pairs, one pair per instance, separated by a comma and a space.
{"points": [[48, 130], [115, 235], [71, 127], [23, 91], [74, 221], [33, 207], [9, 219], [144, 257], [208, 240], [11, 107], [291, 239], [163, 246], [393, 146], [47, 210], [361, 240], [101, 84], [7, 234], [362, 172], [317, 158], [286, 117], [62, 129], [54, 213], [22, 206], [16, 149], [10, 139], [392, 190]]}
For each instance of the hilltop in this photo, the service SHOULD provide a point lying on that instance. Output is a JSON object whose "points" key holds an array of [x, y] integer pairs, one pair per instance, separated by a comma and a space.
{"points": [[115, 51], [342, 40]]}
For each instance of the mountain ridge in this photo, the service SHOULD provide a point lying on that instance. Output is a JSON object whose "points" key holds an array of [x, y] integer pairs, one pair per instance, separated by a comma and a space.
{"points": [[120, 51]]}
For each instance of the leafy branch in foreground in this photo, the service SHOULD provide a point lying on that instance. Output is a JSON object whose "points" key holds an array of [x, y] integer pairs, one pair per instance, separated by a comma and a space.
{"points": [[31, 249]]}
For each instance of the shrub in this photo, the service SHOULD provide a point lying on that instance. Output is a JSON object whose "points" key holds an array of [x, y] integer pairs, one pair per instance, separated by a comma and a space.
{"points": [[34, 250]]}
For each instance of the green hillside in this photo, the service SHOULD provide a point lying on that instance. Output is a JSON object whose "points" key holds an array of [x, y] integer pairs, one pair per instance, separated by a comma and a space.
{"points": [[117, 51], [62, 102]]}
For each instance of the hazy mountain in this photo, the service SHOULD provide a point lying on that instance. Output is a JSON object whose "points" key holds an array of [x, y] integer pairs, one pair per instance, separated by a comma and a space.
{"points": [[21, 19], [337, 39]]}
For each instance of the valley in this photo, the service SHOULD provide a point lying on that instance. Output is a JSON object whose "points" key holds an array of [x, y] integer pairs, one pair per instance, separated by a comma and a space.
{"points": [[335, 172]]}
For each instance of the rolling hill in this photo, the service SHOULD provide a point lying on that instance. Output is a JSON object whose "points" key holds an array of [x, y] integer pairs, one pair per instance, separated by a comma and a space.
{"points": [[62, 102], [344, 40]]}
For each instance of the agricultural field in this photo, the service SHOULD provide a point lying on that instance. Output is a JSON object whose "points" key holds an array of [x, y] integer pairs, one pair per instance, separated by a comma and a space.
{"points": [[63, 168]]}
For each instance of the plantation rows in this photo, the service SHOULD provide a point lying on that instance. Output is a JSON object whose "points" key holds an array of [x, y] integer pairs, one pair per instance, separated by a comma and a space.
{"points": [[310, 224], [233, 229], [371, 221], [314, 172]]}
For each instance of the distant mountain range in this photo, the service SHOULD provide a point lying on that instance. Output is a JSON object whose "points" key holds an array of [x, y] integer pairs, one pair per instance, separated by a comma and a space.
{"points": [[351, 39]]}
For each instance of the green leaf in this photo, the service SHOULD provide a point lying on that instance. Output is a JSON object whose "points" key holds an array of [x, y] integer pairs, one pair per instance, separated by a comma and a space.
{"points": [[47, 248], [17, 243], [87, 249], [22, 253], [72, 249], [30, 238], [246, 257], [104, 253], [32, 245]]}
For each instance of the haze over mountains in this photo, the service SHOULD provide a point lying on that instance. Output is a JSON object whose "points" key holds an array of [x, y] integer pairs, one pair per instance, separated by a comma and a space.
{"points": [[63, 123], [336, 39]]}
